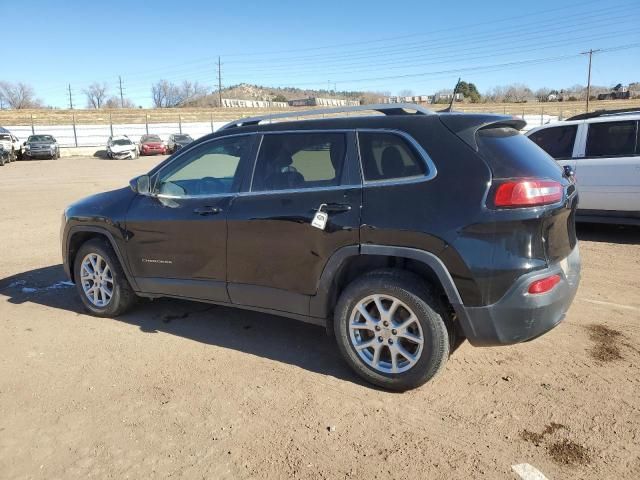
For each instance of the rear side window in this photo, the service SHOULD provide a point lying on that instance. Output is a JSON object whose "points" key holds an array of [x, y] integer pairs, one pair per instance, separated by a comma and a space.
{"points": [[387, 156], [611, 139], [510, 155], [556, 141], [300, 160]]}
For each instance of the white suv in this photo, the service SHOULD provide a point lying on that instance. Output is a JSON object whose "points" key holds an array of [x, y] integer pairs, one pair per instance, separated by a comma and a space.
{"points": [[603, 149], [10, 143]]}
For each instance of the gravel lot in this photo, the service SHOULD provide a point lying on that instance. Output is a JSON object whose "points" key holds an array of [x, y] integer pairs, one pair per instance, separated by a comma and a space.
{"points": [[191, 390]]}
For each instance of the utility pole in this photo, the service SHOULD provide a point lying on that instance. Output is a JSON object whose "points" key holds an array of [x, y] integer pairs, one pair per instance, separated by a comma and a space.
{"points": [[70, 98], [219, 82], [590, 53], [121, 94]]}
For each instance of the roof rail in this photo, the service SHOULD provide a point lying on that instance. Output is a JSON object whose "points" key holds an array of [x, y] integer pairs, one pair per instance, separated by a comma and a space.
{"points": [[605, 113], [385, 108]]}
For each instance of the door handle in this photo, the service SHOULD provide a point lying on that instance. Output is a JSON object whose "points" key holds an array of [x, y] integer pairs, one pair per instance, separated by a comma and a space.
{"points": [[207, 210], [337, 207]]}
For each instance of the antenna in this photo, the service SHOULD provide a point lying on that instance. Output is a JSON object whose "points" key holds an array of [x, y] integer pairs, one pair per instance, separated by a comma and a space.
{"points": [[453, 97]]}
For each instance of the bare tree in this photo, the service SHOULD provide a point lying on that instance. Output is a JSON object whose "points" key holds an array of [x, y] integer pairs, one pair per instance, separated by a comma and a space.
{"points": [[19, 95], [407, 92], [96, 94], [164, 94], [518, 93], [542, 94], [168, 95], [188, 92], [115, 102]]}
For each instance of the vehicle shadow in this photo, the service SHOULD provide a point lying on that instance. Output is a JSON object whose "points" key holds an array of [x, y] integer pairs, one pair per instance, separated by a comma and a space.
{"points": [[607, 233], [268, 336]]}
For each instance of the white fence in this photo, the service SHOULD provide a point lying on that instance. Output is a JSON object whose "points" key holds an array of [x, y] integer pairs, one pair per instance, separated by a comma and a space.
{"points": [[84, 135]]}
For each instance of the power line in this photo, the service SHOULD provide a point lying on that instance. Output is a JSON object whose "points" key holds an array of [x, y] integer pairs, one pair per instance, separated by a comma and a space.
{"points": [[471, 69], [470, 55], [462, 40], [273, 69], [546, 12]]}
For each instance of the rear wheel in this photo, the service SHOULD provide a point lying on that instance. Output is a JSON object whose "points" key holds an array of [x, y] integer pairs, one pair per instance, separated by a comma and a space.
{"points": [[2, 160], [100, 280], [390, 329]]}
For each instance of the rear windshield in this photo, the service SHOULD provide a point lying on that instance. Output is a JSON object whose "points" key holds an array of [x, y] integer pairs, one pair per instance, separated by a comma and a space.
{"points": [[5, 137], [510, 154]]}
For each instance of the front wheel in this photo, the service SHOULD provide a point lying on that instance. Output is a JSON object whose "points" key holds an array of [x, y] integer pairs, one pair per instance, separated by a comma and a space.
{"points": [[100, 280], [390, 329]]}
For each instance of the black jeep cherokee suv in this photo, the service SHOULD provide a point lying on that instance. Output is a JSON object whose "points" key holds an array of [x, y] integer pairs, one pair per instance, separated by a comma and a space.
{"points": [[403, 233]]}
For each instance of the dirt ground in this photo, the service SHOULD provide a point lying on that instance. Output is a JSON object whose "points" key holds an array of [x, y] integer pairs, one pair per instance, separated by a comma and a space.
{"points": [[179, 389]]}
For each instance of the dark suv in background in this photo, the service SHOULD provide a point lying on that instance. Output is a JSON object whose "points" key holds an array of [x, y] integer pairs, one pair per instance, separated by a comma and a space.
{"points": [[41, 146], [402, 233]]}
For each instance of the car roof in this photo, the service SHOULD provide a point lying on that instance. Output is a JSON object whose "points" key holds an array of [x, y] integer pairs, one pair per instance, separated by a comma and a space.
{"points": [[601, 119]]}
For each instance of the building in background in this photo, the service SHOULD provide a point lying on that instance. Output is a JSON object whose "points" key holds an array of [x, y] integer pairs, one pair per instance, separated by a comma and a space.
{"points": [[322, 102], [239, 103]]}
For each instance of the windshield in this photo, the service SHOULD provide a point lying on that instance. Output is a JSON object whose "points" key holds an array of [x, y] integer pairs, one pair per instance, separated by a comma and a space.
{"points": [[151, 138], [183, 138], [40, 138], [122, 141]]}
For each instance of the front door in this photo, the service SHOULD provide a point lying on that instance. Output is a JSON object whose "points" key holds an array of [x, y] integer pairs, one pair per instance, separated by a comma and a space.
{"points": [[177, 236], [275, 255]]}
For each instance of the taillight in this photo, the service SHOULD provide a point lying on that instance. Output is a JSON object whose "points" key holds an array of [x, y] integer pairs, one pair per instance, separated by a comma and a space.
{"points": [[544, 285], [527, 193]]}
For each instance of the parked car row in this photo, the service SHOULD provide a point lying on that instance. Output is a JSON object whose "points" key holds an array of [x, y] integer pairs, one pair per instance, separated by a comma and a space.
{"points": [[122, 146]]}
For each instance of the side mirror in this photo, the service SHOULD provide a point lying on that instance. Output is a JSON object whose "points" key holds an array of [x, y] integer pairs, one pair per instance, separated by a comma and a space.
{"points": [[24, 144], [141, 185]]}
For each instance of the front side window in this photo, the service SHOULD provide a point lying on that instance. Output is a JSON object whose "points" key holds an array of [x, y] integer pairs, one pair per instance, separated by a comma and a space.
{"points": [[387, 156], [300, 160], [611, 139], [210, 169], [556, 141]]}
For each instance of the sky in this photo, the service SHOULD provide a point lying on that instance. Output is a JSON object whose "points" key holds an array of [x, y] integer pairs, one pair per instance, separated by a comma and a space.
{"points": [[421, 46]]}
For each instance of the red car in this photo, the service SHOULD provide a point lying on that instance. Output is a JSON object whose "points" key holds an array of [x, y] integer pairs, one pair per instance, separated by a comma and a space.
{"points": [[152, 145]]}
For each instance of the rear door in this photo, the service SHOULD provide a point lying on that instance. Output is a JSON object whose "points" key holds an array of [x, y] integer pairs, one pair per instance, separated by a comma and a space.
{"points": [[608, 171], [275, 255]]}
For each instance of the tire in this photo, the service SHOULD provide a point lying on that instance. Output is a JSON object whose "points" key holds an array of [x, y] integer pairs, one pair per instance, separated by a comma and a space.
{"points": [[13, 157], [2, 160], [122, 298], [413, 296]]}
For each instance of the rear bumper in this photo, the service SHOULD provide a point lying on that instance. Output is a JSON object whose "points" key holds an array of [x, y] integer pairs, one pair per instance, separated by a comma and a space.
{"points": [[519, 316]]}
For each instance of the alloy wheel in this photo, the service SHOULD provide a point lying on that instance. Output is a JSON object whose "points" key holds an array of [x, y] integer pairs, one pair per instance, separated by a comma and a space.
{"points": [[97, 280], [386, 334]]}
